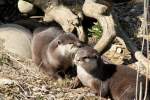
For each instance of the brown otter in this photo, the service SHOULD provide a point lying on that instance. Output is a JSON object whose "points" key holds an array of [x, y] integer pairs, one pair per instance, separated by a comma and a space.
{"points": [[52, 49], [116, 81]]}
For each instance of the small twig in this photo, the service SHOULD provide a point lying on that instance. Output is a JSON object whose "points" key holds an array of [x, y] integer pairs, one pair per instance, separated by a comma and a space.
{"points": [[36, 17], [140, 95], [22, 90]]}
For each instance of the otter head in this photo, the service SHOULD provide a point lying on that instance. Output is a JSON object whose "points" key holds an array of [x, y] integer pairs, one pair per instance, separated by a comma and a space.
{"points": [[67, 44], [86, 57]]}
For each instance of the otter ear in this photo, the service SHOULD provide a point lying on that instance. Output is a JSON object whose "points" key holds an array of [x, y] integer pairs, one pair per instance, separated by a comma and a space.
{"points": [[59, 42]]}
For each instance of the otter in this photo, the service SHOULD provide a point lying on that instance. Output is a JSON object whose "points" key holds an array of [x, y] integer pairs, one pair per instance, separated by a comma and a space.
{"points": [[53, 50], [115, 81]]}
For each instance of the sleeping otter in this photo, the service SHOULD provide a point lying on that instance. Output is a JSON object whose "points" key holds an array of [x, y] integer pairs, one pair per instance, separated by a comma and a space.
{"points": [[116, 81], [52, 50]]}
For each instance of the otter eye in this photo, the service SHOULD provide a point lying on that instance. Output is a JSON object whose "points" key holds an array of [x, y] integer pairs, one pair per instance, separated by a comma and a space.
{"points": [[79, 45], [78, 60], [58, 42], [70, 43], [86, 59]]}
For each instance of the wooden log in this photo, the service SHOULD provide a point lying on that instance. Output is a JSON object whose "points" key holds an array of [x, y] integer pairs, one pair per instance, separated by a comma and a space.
{"points": [[95, 10]]}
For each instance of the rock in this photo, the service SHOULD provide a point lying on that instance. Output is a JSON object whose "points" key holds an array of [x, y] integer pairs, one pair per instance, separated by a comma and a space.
{"points": [[4, 81], [58, 89], [90, 94], [51, 98], [17, 39], [113, 48], [25, 7], [44, 89], [119, 50], [36, 89]]}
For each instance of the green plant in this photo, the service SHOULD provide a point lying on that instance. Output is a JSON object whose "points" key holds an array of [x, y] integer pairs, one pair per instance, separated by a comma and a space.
{"points": [[95, 30]]}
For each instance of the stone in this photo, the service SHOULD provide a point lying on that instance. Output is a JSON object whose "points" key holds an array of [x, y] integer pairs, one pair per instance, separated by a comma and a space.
{"points": [[25, 7], [4, 81], [17, 39]]}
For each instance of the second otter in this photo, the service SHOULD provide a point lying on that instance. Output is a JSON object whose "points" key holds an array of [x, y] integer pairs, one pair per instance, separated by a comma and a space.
{"points": [[116, 81], [52, 49]]}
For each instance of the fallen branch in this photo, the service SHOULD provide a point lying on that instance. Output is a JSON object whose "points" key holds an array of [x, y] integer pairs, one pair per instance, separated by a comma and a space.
{"points": [[64, 16], [109, 33], [58, 13], [95, 10]]}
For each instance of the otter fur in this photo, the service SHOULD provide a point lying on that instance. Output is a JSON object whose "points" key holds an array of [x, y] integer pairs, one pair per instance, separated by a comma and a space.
{"points": [[52, 50], [116, 81]]}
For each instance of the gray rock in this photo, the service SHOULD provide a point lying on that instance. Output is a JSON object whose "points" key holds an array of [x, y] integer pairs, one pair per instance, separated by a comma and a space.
{"points": [[119, 50], [17, 39], [4, 81], [25, 7]]}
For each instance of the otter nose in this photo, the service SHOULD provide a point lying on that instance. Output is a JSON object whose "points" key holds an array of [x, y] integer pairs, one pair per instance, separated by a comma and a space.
{"points": [[79, 44]]}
